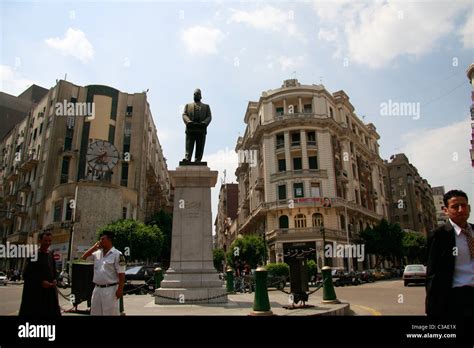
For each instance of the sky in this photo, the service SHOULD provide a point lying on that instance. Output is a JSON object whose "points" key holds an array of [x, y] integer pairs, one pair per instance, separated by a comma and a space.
{"points": [[379, 52]]}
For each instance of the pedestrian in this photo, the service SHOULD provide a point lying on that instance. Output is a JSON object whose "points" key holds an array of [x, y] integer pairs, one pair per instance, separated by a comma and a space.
{"points": [[109, 275], [40, 297], [450, 268]]}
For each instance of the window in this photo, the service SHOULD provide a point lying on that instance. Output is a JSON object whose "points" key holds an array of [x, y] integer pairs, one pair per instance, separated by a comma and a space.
{"points": [[280, 141], [318, 220], [307, 108], [73, 100], [279, 111], [57, 211], [343, 222], [331, 112], [124, 180], [64, 170], [283, 221], [311, 138], [68, 211], [313, 162], [127, 137], [354, 171], [34, 134], [124, 212], [111, 134], [297, 163], [41, 128], [68, 139], [405, 218], [281, 165], [315, 190], [281, 191], [300, 221], [129, 110], [298, 190], [295, 139]]}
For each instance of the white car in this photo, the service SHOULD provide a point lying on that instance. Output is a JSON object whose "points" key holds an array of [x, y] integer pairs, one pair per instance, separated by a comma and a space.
{"points": [[3, 279], [414, 274]]}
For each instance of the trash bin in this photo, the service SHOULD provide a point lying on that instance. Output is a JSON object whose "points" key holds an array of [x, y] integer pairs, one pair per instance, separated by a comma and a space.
{"points": [[298, 275], [82, 282]]}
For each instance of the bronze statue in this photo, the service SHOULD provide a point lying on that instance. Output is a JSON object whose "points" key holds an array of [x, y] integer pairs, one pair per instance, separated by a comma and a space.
{"points": [[197, 117]]}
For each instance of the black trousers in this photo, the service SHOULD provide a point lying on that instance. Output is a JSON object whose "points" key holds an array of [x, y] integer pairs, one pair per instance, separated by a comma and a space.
{"points": [[195, 137], [461, 301]]}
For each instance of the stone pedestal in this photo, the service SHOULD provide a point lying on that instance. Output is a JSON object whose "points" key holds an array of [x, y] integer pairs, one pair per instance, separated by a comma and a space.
{"points": [[192, 278]]}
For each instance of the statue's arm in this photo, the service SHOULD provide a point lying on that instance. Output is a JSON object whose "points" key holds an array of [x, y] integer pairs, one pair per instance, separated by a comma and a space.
{"points": [[208, 117], [186, 118]]}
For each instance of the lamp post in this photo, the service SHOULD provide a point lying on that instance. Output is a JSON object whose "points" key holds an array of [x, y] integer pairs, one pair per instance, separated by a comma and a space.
{"points": [[324, 244], [349, 261]]}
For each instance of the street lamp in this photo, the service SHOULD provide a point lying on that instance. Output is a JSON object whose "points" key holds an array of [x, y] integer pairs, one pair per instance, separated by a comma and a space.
{"points": [[324, 243], [349, 261]]}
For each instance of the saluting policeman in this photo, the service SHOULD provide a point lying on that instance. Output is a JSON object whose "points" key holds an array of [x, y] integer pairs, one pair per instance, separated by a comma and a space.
{"points": [[109, 275]]}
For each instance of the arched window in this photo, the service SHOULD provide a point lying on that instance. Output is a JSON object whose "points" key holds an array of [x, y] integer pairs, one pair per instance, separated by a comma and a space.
{"points": [[318, 220], [283, 221], [300, 221]]}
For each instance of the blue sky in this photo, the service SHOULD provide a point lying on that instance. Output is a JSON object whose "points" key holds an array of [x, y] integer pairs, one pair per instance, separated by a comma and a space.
{"points": [[403, 51]]}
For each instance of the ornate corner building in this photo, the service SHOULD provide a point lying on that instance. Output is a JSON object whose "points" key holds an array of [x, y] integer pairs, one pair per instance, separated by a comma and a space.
{"points": [[309, 170], [51, 180]]}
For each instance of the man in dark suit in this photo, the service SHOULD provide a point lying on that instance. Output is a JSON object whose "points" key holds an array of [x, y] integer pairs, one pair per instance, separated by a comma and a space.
{"points": [[450, 271], [197, 117]]}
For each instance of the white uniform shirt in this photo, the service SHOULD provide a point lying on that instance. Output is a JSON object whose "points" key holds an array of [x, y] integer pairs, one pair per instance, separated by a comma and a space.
{"points": [[107, 267], [464, 265]]}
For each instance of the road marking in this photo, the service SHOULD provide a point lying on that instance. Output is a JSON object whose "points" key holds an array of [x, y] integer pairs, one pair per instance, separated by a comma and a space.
{"points": [[371, 310]]}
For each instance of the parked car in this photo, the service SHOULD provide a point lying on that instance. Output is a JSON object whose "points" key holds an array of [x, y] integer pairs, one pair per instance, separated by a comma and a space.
{"points": [[3, 279], [386, 273], [414, 274], [377, 273], [139, 279], [366, 276]]}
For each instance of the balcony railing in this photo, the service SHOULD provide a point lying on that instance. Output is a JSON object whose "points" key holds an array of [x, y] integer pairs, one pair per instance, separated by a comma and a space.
{"points": [[317, 173], [307, 232]]}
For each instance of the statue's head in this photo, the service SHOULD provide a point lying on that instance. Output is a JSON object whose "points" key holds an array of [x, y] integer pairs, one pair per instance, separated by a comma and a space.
{"points": [[197, 95]]}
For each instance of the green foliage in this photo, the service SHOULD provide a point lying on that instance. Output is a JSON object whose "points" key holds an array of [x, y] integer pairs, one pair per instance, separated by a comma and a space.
{"points": [[312, 268], [218, 256], [144, 242], [384, 241], [278, 269], [250, 248], [165, 223], [414, 247]]}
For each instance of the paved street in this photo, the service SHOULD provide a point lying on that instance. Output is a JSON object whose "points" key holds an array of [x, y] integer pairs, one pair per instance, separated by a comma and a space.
{"points": [[379, 298]]}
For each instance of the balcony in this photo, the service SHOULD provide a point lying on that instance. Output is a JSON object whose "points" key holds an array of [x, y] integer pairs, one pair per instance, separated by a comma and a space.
{"points": [[29, 162], [25, 187], [6, 220], [13, 175], [280, 117], [19, 237], [306, 233], [315, 173], [342, 175], [259, 185]]}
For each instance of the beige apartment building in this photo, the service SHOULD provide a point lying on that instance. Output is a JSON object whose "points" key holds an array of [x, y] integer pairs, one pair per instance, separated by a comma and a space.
{"points": [[411, 196], [53, 179], [438, 194], [225, 222], [309, 169]]}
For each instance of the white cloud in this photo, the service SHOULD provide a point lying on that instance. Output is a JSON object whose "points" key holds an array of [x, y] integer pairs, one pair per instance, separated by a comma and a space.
{"points": [[288, 63], [200, 40], [467, 32], [73, 44], [328, 34], [12, 82], [268, 18], [441, 156], [376, 33]]}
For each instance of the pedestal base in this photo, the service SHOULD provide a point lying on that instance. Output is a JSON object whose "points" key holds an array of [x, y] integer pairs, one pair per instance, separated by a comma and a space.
{"points": [[188, 296]]}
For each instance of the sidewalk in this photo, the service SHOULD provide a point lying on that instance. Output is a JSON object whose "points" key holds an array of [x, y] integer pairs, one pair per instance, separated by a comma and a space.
{"points": [[239, 304]]}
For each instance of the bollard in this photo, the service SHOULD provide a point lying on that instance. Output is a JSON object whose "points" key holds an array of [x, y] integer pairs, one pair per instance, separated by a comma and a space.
{"points": [[230, 280], [261, 303], [158, 277], [329, 295]]}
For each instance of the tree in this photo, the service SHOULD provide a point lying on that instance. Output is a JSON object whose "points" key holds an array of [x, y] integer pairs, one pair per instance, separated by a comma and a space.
{"points": [[250, 248], [384, 241], [218, 257], [414, 247], [165, 223], [136, 240]]}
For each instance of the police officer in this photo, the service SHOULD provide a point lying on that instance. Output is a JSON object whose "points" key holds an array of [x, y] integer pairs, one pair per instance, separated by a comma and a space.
{"points": [[109, 275]]}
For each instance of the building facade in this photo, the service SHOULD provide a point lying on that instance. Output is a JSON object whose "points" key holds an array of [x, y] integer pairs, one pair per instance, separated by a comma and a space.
{"points": [[309, 170], [438, 193], [470, 76], [53, 181], [412, 205], [226, 215]]}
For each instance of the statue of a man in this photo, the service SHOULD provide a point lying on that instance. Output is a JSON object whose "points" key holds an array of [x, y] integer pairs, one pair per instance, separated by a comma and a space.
{"points": [[197, 117]]}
